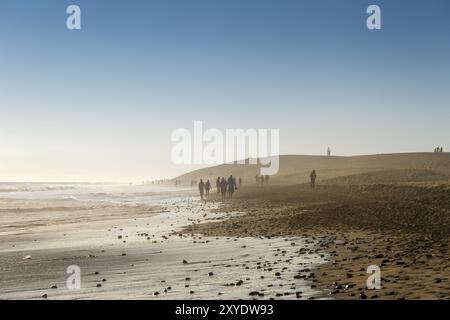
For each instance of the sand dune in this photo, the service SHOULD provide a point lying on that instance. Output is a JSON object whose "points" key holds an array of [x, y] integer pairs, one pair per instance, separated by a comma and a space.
{"points": [[418, 167]]}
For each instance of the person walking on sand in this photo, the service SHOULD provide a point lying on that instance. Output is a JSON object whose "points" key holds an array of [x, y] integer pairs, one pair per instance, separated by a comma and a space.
{"points": [[267, 179], [240, 181], [201, 188], [261, 180], [223, 188], [231, 186], [207, 187], [218, 185], [313, 177]]}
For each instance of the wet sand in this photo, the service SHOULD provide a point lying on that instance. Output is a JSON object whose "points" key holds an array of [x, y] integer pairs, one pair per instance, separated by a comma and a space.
{"points": [[137, 252]]}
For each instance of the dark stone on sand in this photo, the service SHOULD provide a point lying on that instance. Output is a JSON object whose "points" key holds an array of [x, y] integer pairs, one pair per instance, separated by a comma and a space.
{"points": [[156, 293], [253, 293], [191, 292], [210, 274], [99, 285], [54, 286], [185, 262]]}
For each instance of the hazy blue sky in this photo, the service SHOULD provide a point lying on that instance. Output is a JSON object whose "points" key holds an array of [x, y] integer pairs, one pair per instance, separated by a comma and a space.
{"points": [[101, 103]]}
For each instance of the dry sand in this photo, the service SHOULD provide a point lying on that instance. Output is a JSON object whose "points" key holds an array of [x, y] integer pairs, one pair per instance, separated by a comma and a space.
{"points": [[402, 229]]}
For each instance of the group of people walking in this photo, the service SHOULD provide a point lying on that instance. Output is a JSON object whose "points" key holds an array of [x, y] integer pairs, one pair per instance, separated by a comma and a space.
{"points": [[438, 150], [223, 187], [261, 179], [229, 186]]}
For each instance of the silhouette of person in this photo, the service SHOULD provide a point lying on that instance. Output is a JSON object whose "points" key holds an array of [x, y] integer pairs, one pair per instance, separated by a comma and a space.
{"points": [[262, 180], [223, 188], [201, 188], [328, 152], [240, 181], [257, 179], [231, 186], [267, 179], [207, 187], [313, 177], [218, 185]]}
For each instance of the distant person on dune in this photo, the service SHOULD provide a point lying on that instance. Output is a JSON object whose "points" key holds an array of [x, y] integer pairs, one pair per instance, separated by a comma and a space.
{"points": [[231, 186], [201, 188], [240, 181], [207, 187], [223, 188], [257, 179], [313, 177]]}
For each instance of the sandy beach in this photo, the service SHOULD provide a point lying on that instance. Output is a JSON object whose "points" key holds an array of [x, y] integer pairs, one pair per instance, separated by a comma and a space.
{"points": [[128, 245], [274, 241], [402, 229]]}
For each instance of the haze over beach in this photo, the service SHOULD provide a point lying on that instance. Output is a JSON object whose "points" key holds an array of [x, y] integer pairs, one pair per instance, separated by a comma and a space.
{"points": [[107, 190], [278, 240]]}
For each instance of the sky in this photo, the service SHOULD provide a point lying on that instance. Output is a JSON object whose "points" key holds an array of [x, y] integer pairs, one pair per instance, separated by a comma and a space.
{"points": [[101, 103]]}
